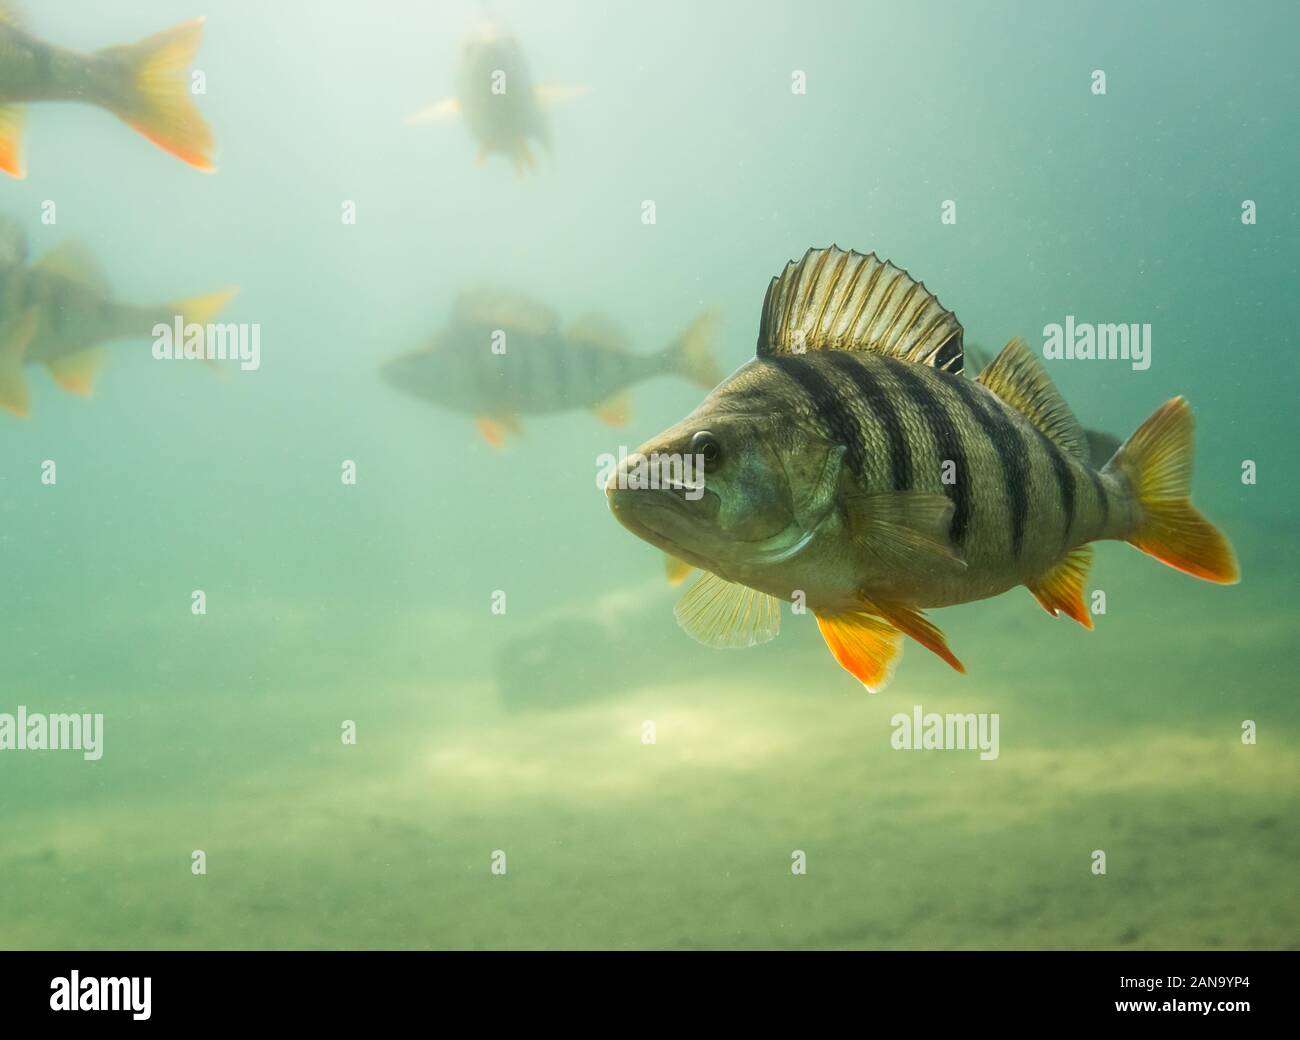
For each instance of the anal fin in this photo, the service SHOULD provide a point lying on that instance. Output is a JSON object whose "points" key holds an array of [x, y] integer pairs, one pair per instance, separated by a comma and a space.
{"points": [[1061, 589], [76, 372], [497, 428], [616, 410]]}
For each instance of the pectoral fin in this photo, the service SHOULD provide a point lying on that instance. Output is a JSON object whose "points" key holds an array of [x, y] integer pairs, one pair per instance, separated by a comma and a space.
{"points": [[1061, 590], [76, 372], [725, 615], [447, 108], [497, 428], [15, 337], [906, 529], [549, 94]]}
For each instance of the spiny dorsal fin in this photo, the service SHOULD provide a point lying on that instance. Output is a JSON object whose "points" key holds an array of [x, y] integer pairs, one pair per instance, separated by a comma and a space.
{"points": [[1020, 380], [837, 300], [72, 261], [505, 309]]}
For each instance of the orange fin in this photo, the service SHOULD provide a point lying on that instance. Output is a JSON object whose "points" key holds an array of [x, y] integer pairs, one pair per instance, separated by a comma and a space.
{"points": [[616, 411], [1061, 590], [676, 570], [76, 372], [155, 95], [1157, 461], [497, 428], [11, 140], [912, 622], [868, 648]]}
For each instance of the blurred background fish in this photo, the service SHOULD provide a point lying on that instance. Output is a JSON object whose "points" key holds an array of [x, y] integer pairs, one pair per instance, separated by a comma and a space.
{"points": [[56, 311], [503, 355], [495, 95], [142, 83]]}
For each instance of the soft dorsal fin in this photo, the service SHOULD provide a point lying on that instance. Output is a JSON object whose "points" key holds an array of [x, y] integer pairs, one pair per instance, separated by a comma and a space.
{"points": [[1020, 380], [598, 330], [837, 300], [72, 261]]}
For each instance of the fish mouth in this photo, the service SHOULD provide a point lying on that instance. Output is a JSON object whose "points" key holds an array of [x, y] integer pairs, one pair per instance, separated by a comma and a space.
{"points": [[664, 517]]}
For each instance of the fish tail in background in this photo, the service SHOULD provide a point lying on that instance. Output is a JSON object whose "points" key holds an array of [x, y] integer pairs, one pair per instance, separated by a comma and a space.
{"points": [[691, 354], [200, 310], [1157, 462], [15, 337], [149, 91]]}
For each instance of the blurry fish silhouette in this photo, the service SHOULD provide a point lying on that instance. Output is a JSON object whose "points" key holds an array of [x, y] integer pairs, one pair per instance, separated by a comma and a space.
{"points": [[143, 84], [58, 310], [496, 96], [503, 355], [852, 466]]}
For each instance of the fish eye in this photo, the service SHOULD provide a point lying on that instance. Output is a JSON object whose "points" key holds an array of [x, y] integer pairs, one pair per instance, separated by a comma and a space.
{"points": [[705, 445]]}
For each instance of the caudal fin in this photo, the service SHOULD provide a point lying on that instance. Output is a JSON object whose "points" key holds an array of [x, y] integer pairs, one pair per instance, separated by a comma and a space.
{"points": [[691, 354], [150, 92], [1157, 461], [199, 310]]}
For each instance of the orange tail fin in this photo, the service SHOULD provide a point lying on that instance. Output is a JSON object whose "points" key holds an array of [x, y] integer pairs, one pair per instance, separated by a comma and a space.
{"points": [[1157, 460], [154, 97]]}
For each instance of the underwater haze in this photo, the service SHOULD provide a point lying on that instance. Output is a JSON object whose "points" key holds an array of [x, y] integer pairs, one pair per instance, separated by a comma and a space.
{"points": [[370, 681]]}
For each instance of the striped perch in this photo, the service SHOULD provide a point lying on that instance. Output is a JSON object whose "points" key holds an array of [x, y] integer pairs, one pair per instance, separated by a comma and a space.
{"points": [[853, 467], [503, 355], [59, 310]]}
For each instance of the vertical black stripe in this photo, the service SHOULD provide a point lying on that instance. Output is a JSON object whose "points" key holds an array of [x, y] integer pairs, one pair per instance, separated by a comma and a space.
{"points": [[879, 404], [947, 440], [42, 62], [1064, 484], [829, 405], [560, 370], [1010, 446]]}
